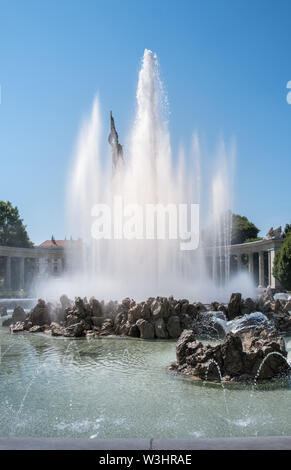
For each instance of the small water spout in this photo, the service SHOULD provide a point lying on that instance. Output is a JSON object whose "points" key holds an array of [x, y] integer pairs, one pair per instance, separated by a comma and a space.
{"points": [[212, 361], [18, 413], [68, 357], [273, 353]]}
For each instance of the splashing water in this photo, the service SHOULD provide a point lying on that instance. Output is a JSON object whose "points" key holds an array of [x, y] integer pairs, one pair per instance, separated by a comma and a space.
{"points": [[28, 388], [273, 353], [213, 361], [5, 352], [116, 268]]}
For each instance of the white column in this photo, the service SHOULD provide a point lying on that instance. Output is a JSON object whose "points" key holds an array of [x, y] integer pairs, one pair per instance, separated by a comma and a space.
{"points": [[261, 268], [60, 266], [273, 281], [21, 273], [239, 263], [8, 272], [42, 266], [251, 263]]}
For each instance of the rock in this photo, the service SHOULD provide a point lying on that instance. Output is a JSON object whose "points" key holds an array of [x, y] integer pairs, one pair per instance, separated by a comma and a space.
{"points": [[40, 315], [75, 330], [18, 327], [223, 308], [186, 321], [134, 313], [213, 306], [97, 321], [282, 322], [174, 327], [145, 312], [79, 308], [233, 356], [96, 307], [158, 309], [160, 329], [126, 302], [119, 320], [238, 357], [56, 329], [71, 320], [134, 331], [200, 307], [287, 307], [36, 329], [124, 329], [234, 306], [3, 311], [181, 347], [192, 311], [18, 315], [107, 327], [248, 306], [146, 329]]}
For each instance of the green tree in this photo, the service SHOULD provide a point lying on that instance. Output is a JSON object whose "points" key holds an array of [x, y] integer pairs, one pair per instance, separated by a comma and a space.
{"points": [[242, 230], [287, 229], [12, 230], [282, 263]]}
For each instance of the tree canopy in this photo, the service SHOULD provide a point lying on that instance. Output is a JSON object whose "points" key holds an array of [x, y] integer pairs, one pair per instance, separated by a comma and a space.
{"points": [[282, 263], [287, 229], [12, 230], [243, 230]]}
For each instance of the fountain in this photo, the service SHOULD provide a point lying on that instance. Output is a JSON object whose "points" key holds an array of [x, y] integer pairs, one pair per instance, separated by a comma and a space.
{"points": [[145, 171]]}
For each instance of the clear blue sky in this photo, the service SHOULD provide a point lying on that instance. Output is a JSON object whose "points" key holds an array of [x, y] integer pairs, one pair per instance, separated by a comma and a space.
{"points": [[225, 65]]}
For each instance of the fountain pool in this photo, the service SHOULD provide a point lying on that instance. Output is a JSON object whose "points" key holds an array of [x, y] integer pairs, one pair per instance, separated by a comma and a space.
{"points": [[114, 387]]}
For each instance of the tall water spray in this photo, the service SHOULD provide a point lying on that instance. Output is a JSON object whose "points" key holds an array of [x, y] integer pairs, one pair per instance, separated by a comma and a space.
{"points": [[136, 266]]}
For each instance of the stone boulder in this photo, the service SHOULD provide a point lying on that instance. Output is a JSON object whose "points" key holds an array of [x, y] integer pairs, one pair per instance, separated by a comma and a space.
{"points": [[181, 348], [174, 326], [96, 307], [134, 331], [160, 329], [134, 313], [146, 329], [107, 327], [97, 321], [248, 306], [234, 306], [56, 329], [282, 321], [36, 329], [40, 314], [238, 357], [17, 327], [18, 315], [76, 330], [287, 307], [158, 309]]}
